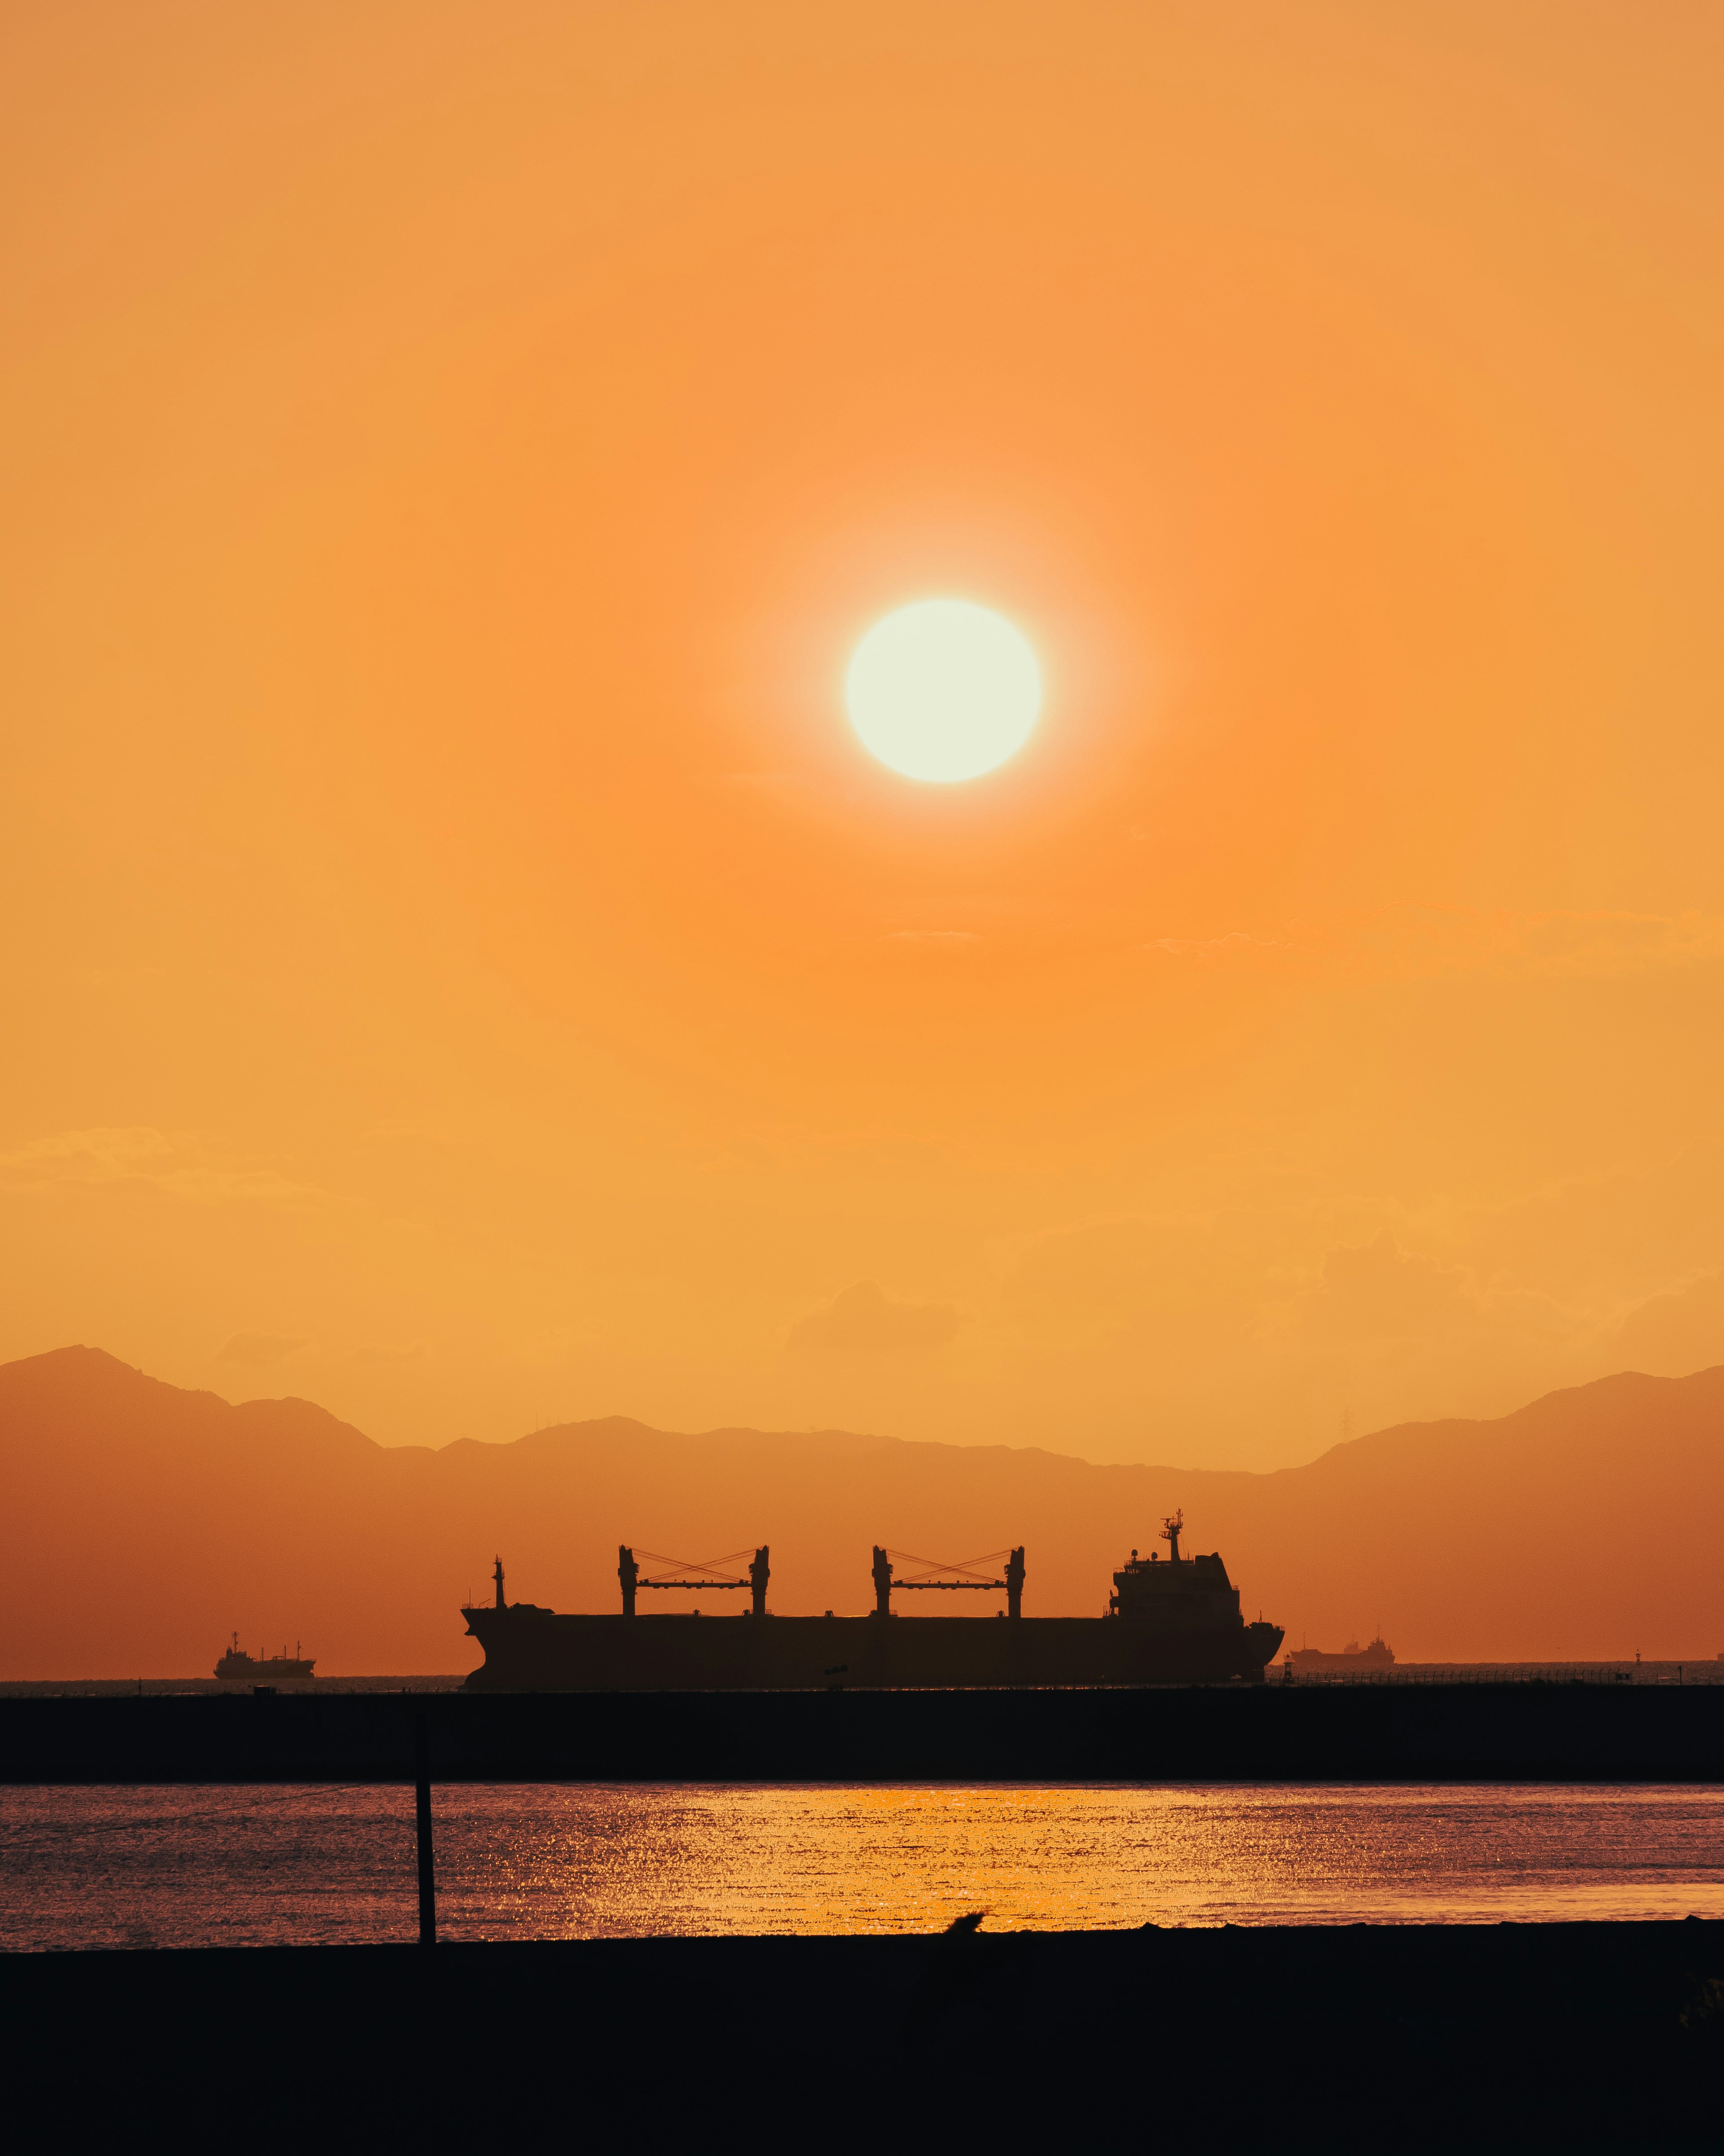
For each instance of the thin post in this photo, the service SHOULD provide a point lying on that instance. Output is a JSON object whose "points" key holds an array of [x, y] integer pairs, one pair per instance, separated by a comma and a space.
{"points": [[421, 1809]]}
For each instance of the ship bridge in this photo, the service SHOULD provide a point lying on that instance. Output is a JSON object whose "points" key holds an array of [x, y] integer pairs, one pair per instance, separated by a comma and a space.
{"points": [[1175, 1593]]}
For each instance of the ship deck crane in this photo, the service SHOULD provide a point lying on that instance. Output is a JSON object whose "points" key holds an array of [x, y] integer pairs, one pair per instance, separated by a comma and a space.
{"points": [[708, 1574], [886, 1583]]}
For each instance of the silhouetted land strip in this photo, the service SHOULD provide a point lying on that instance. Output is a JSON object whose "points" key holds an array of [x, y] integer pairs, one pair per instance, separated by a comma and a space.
{"points": [[212, 1688], [1514, 1732], [1379, 2036], [1420, 1673]]}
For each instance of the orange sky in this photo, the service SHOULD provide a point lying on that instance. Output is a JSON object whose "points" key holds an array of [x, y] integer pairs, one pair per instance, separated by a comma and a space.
{"points": [[461, 967]]}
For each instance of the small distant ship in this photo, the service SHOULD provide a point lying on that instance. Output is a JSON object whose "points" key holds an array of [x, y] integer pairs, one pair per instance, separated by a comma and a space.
{"points": [[271, 1669], [1312, 1661], [1169, 1621]]}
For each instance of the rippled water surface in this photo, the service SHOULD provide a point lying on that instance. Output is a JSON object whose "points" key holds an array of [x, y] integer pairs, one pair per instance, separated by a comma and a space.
{"points": [[225, 1866]]}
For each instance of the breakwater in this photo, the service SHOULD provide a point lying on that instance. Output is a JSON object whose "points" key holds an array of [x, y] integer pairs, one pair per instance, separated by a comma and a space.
{"points": [[1557, 1731]]}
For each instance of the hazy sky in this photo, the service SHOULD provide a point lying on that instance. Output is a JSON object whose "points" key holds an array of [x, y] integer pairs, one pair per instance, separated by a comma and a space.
{"points": [[461, 967]]}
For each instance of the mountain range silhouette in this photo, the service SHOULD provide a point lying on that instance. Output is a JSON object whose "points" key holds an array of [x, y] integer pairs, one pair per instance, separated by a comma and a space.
{"points": [[143, 1523]]}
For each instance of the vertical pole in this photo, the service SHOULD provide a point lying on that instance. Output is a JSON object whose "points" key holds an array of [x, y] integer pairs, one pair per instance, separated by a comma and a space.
{"points": [[422, 1810]]}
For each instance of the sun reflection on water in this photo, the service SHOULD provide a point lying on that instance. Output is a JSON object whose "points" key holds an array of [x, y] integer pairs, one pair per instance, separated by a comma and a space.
{"points": [[190, 1867]]}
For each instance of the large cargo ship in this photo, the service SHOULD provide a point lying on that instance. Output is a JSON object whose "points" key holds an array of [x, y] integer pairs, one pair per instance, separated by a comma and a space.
{"points": [[1170, 1620]]}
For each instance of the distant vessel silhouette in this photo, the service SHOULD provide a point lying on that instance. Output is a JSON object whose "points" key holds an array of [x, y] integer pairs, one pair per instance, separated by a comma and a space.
{"points": [[1171, 1620], [237, 1663], [1309, 1662]]}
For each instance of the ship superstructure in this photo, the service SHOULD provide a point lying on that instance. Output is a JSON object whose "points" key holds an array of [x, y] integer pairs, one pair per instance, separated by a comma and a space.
{"points": [[1177, 1595]]}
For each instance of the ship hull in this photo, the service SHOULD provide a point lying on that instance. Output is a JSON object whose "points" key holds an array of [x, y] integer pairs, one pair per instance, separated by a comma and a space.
{"points": [[531, 1650]]}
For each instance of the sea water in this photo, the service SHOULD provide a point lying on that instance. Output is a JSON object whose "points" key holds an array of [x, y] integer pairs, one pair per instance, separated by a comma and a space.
{"points": [[227, 1866]]}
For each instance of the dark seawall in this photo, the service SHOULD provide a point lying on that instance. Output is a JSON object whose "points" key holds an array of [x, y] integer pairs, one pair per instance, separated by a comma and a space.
{"points": [[1552, 1732], [1377, 2037]]}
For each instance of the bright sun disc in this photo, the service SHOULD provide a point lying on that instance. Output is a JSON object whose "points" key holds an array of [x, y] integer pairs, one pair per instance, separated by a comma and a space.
{"points": [[943, 689]]}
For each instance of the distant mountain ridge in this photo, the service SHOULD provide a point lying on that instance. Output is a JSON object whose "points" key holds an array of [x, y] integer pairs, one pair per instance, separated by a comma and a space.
{"points": [[144, 1523]]}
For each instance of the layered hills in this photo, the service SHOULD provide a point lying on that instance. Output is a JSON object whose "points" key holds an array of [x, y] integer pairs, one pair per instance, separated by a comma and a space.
{"points": [[143, 1522]]}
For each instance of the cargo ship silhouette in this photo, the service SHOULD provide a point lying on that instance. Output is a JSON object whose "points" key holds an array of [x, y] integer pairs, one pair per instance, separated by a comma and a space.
{"points": [[1353, 1658], [237, 1663], [1170, 1620]]}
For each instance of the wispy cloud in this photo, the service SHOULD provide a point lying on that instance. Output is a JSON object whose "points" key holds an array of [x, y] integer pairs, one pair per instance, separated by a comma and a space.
{"points": [[258, 1347], [1533, 945], [1236, 944], [1598, 946], [865, 1320], [94, 1156], [141, 1156], [1456, 939]]}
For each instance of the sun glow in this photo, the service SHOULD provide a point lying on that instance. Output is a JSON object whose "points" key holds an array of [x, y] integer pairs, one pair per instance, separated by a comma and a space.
{"points": [[943, 691]]}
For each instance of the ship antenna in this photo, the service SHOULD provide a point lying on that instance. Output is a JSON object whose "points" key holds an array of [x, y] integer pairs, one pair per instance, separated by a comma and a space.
{"points": [[1170, 1533]]}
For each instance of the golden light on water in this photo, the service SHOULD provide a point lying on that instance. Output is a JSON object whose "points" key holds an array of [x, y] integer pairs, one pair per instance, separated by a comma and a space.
{"points": [[166, 1867]]}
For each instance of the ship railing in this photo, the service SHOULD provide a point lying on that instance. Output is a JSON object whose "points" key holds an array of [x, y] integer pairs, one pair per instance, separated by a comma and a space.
{"points": [[948, 1586]]}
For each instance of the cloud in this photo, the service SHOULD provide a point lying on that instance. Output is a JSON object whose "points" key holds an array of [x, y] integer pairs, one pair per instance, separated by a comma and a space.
{"points": [[1670, 1335], [1423, 942], [1375, 1290], [258, 1347], [1549, 946], [864, 1320], [96, 1156], [1164, 1282], [1233, 944], [950, 938], [1605, 946], [146, 1157]]}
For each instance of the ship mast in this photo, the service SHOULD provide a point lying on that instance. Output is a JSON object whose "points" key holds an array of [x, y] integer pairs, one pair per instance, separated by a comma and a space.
{"points": [[497, 1575], [1169, 1534]]}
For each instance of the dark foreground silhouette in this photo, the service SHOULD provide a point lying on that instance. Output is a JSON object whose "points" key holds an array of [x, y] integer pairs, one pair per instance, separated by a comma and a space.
{"points": [[1378, 2036], [1487, 1732]]}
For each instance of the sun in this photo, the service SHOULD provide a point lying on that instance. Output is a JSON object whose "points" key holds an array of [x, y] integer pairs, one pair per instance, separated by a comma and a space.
{"points": [[943, 691]]}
